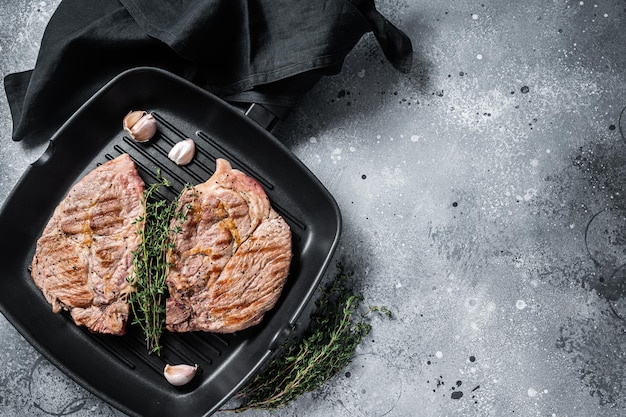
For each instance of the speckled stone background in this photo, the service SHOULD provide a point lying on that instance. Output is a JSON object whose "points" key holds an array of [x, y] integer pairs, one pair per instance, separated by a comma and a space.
{"points": [[483, 202]]}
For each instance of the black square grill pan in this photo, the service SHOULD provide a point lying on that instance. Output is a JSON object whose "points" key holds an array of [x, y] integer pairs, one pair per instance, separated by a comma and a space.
{"points": [[118, 368]]}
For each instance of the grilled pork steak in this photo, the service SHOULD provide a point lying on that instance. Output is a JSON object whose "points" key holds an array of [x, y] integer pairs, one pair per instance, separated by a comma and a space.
{"points": [[231, 258], [84, 255]]}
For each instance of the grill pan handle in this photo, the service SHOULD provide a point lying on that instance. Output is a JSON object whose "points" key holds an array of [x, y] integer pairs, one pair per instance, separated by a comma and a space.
{"points": [[262, 115], [266, 115]]}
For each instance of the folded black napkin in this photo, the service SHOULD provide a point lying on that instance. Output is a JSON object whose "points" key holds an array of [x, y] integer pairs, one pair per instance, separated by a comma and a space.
{"points": [[251, 51]]}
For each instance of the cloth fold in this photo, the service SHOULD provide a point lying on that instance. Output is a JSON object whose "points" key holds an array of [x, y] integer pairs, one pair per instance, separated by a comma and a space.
{"points": [[265, 51]]}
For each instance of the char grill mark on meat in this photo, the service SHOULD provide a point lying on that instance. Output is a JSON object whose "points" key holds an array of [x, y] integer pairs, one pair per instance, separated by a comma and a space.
{"points": [[84, 255], [231, 258]]}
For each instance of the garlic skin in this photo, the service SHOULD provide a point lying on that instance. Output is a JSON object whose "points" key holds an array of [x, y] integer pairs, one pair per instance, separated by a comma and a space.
{"points": [[182, 153], [140, 125], [178, 375]]}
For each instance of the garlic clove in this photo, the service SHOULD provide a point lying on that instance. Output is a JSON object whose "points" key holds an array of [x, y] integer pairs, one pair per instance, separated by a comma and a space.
{"points": [[132, 118], [140, 125], [182, 153], [178, 375]]}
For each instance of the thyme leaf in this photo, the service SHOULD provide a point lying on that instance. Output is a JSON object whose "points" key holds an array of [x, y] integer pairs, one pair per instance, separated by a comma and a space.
{"points": [[147, 301], [337, 327]]}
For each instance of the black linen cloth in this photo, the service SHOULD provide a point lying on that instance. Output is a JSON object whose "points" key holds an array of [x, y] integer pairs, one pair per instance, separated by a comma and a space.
{"points": [[251, 51]]}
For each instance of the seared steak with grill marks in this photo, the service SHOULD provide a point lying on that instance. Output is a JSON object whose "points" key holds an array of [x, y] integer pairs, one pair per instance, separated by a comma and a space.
{"points": [[84, 255], [230, 258]]}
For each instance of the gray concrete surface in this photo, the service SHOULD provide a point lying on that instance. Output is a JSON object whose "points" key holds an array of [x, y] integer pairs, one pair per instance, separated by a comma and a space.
{"points": [[483, 203]]}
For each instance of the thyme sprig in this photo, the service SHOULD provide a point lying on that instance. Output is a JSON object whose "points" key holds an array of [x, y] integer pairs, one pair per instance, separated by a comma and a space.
{"points": [[147, 301], [337, 327]]}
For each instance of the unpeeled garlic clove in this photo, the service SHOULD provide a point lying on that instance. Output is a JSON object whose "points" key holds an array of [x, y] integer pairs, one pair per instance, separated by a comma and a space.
{"points": [[182, 153], [178, 375], [140, 125]]}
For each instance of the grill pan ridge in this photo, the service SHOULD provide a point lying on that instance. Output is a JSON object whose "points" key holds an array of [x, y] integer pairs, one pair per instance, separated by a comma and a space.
{"points": [[118, 368]]}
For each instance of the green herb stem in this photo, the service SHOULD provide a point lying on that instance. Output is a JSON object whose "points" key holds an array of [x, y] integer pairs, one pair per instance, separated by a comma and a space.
{"points": [[150, 266]]}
